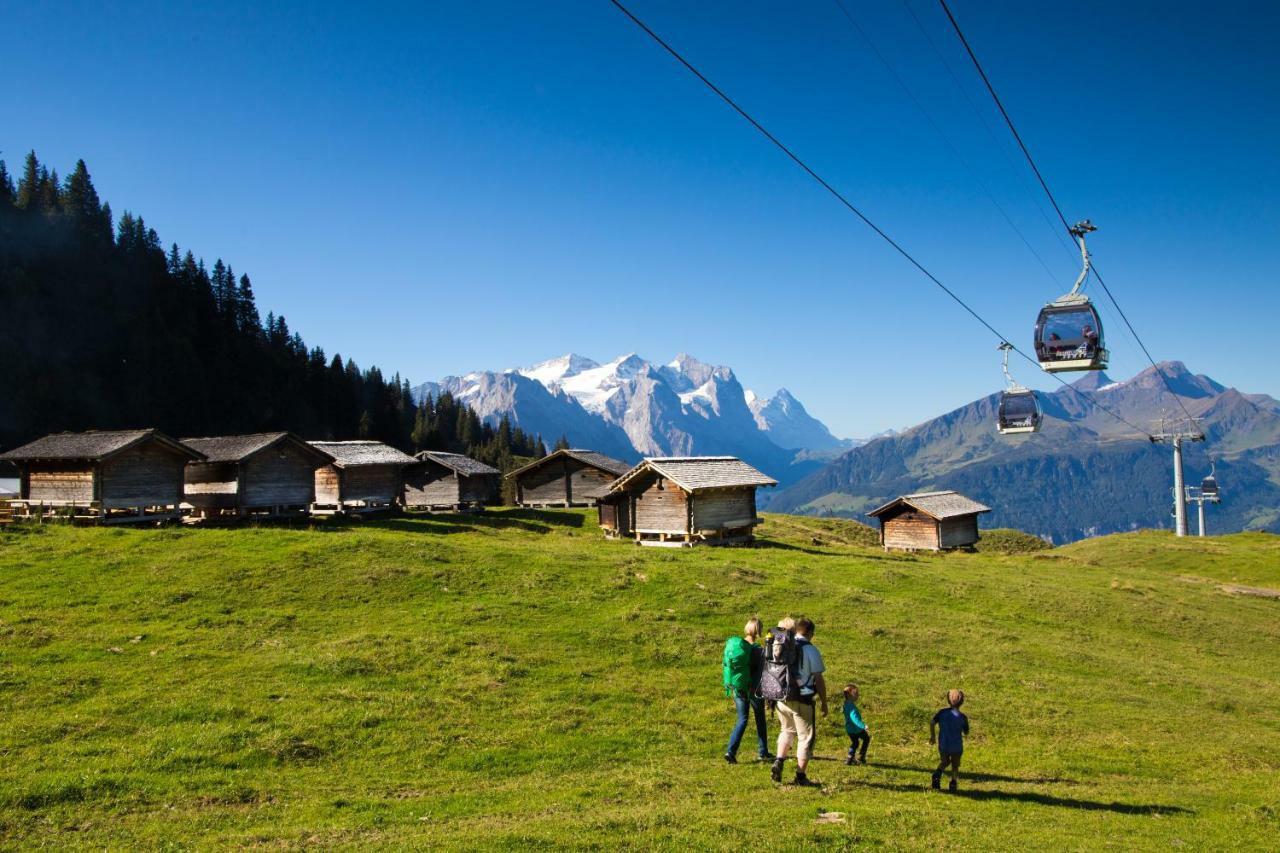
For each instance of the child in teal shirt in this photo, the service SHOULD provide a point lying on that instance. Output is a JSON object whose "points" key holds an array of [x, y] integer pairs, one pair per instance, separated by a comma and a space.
{"points": [[854, 726]]}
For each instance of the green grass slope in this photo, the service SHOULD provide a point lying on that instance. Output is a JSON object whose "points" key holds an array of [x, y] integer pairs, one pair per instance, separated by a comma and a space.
{"points": [[513, 680]]}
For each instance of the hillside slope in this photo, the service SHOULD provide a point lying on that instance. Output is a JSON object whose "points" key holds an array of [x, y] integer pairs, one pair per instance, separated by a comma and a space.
{"points": [[513, 680]]}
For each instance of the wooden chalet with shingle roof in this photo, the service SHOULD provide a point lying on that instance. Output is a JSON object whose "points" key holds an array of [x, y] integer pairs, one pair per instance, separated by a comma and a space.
{"points": [[566, 478], [268, 473], [683, 501], [364, 476], [929, 521], [101, 475], [442, 480]]}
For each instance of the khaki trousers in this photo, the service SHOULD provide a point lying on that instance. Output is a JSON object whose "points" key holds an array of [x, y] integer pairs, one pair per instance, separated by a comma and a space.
{"points": [[796, 718]]}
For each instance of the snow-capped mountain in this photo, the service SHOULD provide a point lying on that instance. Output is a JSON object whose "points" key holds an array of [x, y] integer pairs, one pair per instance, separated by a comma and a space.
{"points": [[630, 407]]}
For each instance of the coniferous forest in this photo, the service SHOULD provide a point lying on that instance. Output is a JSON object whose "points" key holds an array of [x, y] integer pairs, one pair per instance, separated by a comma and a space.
{"points": [[102, 327]]}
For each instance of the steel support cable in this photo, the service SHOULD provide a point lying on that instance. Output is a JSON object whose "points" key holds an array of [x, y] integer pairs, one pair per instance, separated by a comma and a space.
{"points": [[853, 209], [1045, 186], [943, 136]]}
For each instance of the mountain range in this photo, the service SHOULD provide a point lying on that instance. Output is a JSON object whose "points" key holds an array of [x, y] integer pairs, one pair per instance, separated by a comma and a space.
{"points": [[630, 408], [1086, 473]]}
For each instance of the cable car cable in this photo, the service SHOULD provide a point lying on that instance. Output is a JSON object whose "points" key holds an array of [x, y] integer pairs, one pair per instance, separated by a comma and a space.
{"points": [[1019, 174], [851, 207], [1045, 186], [973, 173]]}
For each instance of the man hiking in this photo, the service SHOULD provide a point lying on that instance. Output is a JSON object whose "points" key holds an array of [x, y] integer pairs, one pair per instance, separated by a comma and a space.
{"points": [[797, 715], [743, 661]]}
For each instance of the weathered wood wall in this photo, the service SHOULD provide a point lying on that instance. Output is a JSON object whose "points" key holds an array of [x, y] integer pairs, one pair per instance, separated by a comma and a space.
{"points": [[328, 485], [429, 483], [910, 529], [544, 484], [587, 484], [662, 510], [210, 485], [727, 509], [615, 515], [481, 488], [959, 532], [282, 475], [146, 475], [58, 481], [377, 483]]}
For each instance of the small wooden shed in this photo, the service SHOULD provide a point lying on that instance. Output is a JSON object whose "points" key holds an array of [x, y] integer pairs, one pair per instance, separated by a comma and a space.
{"points": [[683, 501], [364, 476], [442, 480], [566, 478], [268, 473], [101, 475], [929, 521]]}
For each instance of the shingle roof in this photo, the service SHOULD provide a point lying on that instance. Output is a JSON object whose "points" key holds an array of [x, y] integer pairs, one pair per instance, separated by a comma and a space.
{"points": [[352, 454], [697, 473], [93, 445], [464, 465], [939, 505], [613, 466], [236, 448]]}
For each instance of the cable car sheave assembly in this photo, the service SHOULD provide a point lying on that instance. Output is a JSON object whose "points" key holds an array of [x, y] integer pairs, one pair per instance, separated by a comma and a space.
{"points": [[1019, 410]]}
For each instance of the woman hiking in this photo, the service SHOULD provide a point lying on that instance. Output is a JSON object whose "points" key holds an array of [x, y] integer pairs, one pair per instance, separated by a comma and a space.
{"points": [[743, 662]]}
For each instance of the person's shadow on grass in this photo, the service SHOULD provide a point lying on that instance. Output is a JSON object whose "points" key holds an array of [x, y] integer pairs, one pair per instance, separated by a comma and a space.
{"points": [[980, 777], [1032, 797]]}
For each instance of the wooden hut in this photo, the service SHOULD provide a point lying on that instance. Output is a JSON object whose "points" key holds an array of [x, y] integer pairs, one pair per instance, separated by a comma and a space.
{"points": [[684, 501], [442, 480], [364, 476], [566, 478], [104, 476], [929, 521], [268, 473]]}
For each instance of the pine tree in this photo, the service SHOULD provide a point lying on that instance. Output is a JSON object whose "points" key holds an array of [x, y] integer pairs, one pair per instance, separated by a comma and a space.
{"points": [[246, 309], [562, 443], [29, 183], [7, 190], [80, 201]]}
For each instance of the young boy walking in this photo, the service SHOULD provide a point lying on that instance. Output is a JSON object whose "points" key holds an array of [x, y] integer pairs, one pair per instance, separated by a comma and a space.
{"points": [[947, 730], [854, 726]]}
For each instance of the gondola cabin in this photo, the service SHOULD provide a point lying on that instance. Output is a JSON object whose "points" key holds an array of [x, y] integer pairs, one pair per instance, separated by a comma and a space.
{"points": [[101, 476], [929, 521], [440, 480], [684, 501], [1209, 488], [364, 476], [1068, 336], [566, 478], [1018, 412], [263, 474]]}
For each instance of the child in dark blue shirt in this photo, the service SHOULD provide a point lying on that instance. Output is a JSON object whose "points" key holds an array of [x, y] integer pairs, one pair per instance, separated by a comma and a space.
{"points": [[948, 729], [854, 726]]}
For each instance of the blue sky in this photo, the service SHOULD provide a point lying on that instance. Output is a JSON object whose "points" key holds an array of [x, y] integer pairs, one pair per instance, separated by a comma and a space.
{"points": [[436, 188]]}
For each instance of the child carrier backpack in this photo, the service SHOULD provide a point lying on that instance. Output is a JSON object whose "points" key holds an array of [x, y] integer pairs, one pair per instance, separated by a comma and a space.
{"points": [[780, 680]]}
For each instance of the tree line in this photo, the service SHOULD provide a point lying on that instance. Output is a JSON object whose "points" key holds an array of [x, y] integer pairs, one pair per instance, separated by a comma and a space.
{"points": [[103, 328]]}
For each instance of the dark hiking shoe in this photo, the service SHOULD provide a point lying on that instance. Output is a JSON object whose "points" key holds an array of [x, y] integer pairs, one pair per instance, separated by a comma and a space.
{"points": [[862, 759], [803, 781], [849, 760], [767, 756], [936, 782], [775, 772], [952, 786], [729, 759]]}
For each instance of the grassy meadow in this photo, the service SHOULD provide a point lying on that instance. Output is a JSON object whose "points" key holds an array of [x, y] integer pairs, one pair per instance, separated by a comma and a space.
{"points": [[513, 680]]}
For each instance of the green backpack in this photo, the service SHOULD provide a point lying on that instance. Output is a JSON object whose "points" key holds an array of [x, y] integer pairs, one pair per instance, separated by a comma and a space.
{"points": [[737, 666]]}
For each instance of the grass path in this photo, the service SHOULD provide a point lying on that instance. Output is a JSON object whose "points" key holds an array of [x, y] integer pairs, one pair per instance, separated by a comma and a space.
{"points": [[513, 680]]}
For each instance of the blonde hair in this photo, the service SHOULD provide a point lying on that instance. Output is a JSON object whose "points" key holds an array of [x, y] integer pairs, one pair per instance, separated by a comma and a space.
{"points": [[955, 698], [753, 627], [787, 622]]}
